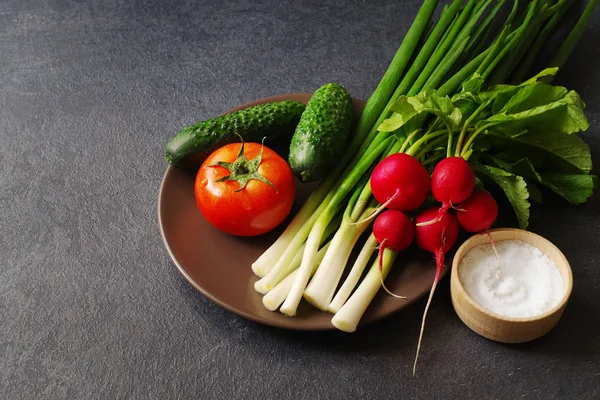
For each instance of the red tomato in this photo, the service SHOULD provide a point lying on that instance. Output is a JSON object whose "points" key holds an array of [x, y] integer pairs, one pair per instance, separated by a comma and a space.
{"points": [[251, 210]]}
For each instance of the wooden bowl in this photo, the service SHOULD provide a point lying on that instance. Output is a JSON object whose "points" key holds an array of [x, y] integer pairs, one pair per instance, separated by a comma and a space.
{"points": [[497, 327]]}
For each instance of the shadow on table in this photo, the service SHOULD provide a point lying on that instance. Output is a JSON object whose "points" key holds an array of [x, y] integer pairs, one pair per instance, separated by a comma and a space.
{"points": [[384, 336], [574, 338], [393, 334]]}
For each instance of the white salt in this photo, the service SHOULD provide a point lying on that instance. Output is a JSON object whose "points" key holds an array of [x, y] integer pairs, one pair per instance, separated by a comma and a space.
{"points": [[526, 283]]}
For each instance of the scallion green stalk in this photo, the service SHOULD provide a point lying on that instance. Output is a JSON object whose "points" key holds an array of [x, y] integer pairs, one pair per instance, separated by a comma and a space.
{"points": [[353, 277], [290, 305], [277, 295], [350, 314], [525, 65], [261, 285], [483, 29], [440, 73], [321, 288], [392, 76], [442, 49], [571, 41]]}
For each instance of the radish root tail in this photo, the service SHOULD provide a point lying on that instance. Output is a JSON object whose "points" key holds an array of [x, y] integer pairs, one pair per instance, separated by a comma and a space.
{"points": [[441, 212], [380, 257], [378, 210], [439, 260]]}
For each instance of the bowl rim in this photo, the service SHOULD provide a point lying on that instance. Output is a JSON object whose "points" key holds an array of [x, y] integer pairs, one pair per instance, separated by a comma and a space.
{"points": [[524, 235]]}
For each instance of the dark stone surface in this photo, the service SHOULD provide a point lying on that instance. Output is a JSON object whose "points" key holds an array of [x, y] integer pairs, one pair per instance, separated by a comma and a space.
{"points": [[91, 306]]}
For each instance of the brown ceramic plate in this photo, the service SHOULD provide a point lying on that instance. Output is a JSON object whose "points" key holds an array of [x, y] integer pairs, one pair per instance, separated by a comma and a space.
{"points": [[218, 265]]}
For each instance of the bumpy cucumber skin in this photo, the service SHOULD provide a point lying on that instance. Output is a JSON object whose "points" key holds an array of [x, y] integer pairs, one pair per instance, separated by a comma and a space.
{"points": [[275, 122], [322, 133]]}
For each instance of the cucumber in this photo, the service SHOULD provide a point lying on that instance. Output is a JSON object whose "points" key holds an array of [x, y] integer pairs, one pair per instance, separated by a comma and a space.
{"points": [[322, 133], [274, 122]]}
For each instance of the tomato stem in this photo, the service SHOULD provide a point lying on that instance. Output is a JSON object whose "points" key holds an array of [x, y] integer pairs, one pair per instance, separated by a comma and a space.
{"points": [[243, 170]]}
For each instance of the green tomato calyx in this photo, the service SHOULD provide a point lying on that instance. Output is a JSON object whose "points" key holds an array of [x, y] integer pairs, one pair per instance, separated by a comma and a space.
{"points": [[243, 170]]}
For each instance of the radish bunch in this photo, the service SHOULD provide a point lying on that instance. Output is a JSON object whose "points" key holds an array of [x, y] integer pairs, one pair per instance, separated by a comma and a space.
{"points": [[401, 183]]}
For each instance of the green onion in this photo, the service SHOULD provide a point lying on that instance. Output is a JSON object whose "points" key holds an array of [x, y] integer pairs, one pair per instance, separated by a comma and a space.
{"points": [[483, 29], [525, 65], [442, 49], [349, 315], [570, 42], [277, 295], [354, 276]]}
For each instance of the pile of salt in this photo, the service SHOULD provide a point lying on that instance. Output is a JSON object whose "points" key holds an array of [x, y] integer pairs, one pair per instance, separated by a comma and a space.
{"points": [[527, 283]]}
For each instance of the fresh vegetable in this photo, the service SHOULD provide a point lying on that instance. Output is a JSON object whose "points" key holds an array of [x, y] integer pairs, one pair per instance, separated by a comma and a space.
{"points": [[244, 189], [575, 35], [290, 305], [400, 182], [322, 133], [321, 288], [354, 275], [452, 182], [440, 107], [436, 238], [478, 212], [395, 231], [274, 122], [273, 299], [348, 316]]}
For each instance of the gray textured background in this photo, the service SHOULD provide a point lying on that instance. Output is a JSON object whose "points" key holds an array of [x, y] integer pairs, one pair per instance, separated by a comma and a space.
{"points": [[91, 305]]}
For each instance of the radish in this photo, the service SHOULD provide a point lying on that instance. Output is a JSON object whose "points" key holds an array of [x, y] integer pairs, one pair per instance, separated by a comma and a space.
{"points": [[395, 231], [400, 182], [437, 237], [478, 212], [452, 182]]}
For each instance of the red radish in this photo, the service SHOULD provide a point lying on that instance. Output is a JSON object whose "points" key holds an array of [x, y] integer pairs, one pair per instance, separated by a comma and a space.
{"points": [[452, 182], [400, 182], [395, 231], [478, 212], [437, 237]]}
